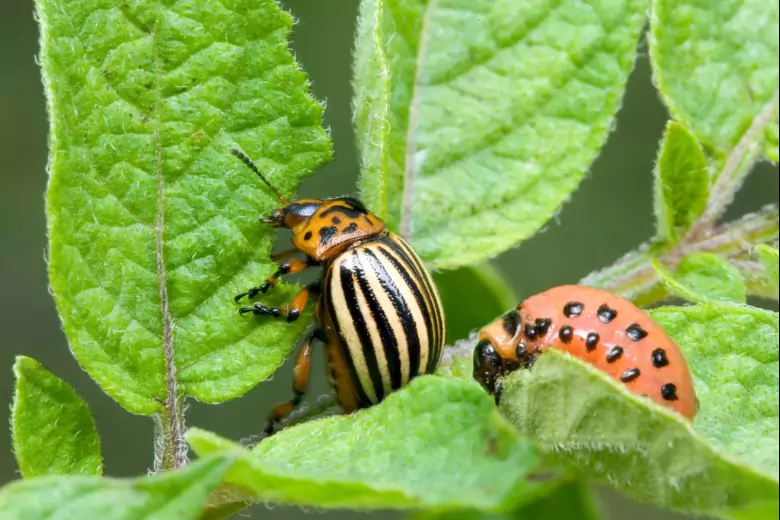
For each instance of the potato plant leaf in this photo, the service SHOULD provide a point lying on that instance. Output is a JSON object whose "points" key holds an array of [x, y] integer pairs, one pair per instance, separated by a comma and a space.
{"points": [[152, 222], [53, 430], [725, 464], [437, 443], [769, 258], [716, 65], [472, 296], [476, 119], [572, 500], [681, 183], [180, 494], [704, 277]]}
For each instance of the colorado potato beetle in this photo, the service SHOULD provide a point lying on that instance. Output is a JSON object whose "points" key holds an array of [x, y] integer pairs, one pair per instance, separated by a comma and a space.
{"points": [[378, 311], [596, 326]]}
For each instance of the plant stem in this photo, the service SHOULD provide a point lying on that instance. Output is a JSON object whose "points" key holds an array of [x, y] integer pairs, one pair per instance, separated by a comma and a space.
{"points": [[633, 276]]}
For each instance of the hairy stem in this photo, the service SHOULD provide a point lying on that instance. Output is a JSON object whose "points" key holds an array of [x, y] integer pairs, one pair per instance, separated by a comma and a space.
{"points": [[633, 275]]}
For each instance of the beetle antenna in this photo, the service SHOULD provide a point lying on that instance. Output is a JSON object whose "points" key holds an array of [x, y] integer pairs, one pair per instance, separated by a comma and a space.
{"points": [[246, 160]]}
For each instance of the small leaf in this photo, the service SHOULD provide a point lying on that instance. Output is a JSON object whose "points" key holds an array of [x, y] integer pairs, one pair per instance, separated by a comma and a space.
{"points": [[769, 257], [179, 494], [477, 119], [472, 296], [572, 500], [726, 466], [52, 428], [152, 222], [716, 65], [437, 443], [704, 277], [681, 183]]}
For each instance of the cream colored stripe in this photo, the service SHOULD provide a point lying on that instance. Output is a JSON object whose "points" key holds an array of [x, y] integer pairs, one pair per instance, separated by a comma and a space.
{"points": [[341, 310], [392, 315], [431, 297], [418, 314], [373, 330]]}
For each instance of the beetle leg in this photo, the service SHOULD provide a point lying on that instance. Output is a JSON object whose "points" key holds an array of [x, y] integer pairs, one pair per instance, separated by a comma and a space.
{"points": [[291, 267], [291, 311], [300, 383]]}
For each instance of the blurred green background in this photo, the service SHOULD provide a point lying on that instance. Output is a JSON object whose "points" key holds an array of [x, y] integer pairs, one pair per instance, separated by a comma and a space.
{"points": [[609, 215]]}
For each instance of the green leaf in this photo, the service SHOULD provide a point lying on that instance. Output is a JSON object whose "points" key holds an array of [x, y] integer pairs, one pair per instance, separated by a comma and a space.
{"points": [[771, 260], [152, 222], [572, 500], [472, 296], [733, 352], [716, 65], [53, 431], [704, 277], [681, 183], [179, 494], [726, 466], [437, 443], [488, 111]]}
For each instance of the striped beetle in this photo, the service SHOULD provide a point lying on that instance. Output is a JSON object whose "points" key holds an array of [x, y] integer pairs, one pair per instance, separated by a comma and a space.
{"points": [[379, 313]]}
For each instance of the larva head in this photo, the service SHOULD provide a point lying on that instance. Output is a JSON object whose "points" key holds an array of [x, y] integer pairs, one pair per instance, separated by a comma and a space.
{"points": [[321, 228]]}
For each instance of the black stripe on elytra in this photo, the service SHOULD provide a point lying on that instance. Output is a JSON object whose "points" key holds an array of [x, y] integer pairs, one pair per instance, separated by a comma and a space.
{"points": [[368, 348], [414, 346], [348, 288], [432, 310], [436, 332], [390, 344], [402, 310], [511, 323]]}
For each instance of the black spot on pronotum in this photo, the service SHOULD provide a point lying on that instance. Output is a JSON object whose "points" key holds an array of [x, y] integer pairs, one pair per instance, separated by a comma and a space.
{"points": [[511, 323], [636, 332], [530, 331], [614, 354], [368, 221], [326, 234], [591, 341], [566, 333], [336, 220], [572, 309], [659, 358], [606, 313], [629, 375], [350, 229], [307, 235], [669, 392], [542, 325]]}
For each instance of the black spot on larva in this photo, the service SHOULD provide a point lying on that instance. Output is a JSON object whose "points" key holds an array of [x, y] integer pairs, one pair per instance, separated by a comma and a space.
{"points": [[635, 332], [521, 351], [572, 309], [326, 234], [350, 229], [566, 333], [530, 331], [606, 313], [629, 375], [336, 220], [307, 236], [542, 325], [591, 340], [614, 354], [659, 358], [669, 392], [511, 323]]}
